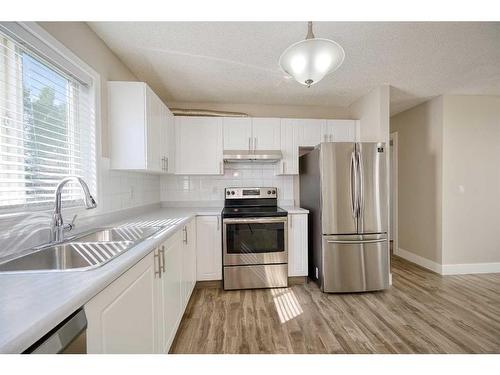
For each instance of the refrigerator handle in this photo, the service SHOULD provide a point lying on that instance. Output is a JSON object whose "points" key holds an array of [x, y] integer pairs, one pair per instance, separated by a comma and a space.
{"points": [[354, 186], [347, 242], [359, 173]]}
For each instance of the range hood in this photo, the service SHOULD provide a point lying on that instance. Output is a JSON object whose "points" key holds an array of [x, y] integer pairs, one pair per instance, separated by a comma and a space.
{"points": [[245, 156]]}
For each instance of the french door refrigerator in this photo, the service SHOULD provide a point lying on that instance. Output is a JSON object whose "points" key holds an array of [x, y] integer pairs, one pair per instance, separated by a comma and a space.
{"points": [[344, 187]]}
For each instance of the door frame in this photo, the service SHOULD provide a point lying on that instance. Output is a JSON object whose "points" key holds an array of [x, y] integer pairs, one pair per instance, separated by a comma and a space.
{"points": [[395, 152]]}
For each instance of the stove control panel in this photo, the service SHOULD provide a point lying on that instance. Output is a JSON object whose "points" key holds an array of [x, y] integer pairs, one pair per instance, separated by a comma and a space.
{"points": [[248, 193]]}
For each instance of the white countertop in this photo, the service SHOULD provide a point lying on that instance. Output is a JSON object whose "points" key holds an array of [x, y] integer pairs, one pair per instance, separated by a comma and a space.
{"points": [[31, 304], [295, 210]]}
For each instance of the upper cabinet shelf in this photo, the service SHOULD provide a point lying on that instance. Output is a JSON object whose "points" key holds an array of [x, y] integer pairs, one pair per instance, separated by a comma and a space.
{"points": [[141, 129]]}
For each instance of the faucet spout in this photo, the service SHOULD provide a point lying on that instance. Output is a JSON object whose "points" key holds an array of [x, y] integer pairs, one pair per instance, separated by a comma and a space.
{"points": [[57, 227]]}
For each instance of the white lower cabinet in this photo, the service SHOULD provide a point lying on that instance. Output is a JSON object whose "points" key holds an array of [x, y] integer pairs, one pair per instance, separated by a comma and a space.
{"points": [[188, 261], [121, 318], [141, 310], [297, 244], [170, 292], [209, 248]]}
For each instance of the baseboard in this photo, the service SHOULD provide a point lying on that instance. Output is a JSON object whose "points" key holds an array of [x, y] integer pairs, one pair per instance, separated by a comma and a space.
{"points": [[417, 259], [448, 269], [470, 268], [297, 280], [209, 284]]}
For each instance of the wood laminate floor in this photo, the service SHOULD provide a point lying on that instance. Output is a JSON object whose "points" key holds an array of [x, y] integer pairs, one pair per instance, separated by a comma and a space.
{"points": [[421, 313]]}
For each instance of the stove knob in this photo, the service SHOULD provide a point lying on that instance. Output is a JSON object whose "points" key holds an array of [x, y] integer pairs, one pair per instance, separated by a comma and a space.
{"points": [[232, 193], [228, 192], [274, 191], [269, 192]]}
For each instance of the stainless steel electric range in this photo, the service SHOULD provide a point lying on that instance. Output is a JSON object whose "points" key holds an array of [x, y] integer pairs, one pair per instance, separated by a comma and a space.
{"points": [[254, 239]]}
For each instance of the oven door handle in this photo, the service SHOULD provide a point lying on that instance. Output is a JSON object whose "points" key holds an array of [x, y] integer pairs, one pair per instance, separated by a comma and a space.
{"points": [[256, 220]]}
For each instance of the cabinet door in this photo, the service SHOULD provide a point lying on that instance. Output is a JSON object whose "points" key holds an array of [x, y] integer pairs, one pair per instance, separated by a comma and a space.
{"points": [[297, 245], [171, 284], [310, 131], [339, 131], [154, 131], [188, 261], [127, 125], [237, 133], [170, 141], [121, 317], [208, 248], [199, 145], [290, 137], [266, 133]]}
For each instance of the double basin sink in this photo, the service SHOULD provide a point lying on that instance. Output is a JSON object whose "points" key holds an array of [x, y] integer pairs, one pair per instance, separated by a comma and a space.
{"points": [[82, 252]]}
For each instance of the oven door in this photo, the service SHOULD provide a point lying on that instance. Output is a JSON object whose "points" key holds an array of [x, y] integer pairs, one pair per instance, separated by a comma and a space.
{"points": [[261, 240]]}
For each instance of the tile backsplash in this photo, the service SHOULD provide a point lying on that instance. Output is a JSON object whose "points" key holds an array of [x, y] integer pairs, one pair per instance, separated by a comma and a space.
{"points": [[211, 188], [121, 190]]}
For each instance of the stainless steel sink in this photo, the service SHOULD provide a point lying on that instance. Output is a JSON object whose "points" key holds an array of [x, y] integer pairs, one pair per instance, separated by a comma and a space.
{"points": [[127, 233], [82, 252]]}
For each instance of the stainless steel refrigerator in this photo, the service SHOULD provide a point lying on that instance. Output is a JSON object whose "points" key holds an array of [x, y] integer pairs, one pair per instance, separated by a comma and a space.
{"points": [[344, 187]]}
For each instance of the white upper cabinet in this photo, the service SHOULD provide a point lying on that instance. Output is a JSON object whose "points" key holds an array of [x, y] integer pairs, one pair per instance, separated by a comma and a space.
{"points": [[237, 133], [291, 132], [266, 133], [199, 142], [339, 131], [251, 133], [139, 135], [311, 130]]}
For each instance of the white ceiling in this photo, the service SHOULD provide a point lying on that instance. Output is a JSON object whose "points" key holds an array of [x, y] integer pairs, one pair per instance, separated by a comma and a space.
{"points": [[237, 62]]}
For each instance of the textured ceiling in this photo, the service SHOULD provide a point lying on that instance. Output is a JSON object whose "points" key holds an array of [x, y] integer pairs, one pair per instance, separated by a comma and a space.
{"points": [[237, 62]]}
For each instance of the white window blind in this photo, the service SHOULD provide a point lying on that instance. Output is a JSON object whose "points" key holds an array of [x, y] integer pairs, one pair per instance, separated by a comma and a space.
{"points": [[47, 130]]}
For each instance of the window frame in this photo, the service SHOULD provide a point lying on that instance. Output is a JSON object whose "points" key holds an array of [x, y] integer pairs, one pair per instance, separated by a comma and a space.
{"points": [[56, 49]]}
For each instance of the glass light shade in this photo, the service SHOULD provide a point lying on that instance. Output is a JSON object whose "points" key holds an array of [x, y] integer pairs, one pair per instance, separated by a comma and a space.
{"points": [[308, 61]]}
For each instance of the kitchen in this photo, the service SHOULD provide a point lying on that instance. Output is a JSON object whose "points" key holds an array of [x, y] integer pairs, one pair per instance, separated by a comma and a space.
{"points": [[148, 214]]}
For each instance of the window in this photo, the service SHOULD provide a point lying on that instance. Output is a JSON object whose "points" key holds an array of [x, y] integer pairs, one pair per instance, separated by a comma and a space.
{"points": [[47, 129]]}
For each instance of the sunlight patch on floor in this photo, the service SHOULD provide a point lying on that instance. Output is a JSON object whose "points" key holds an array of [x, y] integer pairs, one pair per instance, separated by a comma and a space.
{"points": [[286, 304]]}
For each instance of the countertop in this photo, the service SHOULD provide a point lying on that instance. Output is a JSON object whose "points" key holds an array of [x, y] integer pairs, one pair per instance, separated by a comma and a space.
{"points": [[31, 304], [295, 209]]}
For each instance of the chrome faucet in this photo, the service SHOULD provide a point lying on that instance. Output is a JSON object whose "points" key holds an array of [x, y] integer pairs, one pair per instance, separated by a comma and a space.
{"points": [[57, 227]]}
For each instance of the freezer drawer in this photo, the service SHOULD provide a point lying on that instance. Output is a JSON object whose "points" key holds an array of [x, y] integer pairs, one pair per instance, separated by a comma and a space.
{"points": [[257, 276], [355, 263]]}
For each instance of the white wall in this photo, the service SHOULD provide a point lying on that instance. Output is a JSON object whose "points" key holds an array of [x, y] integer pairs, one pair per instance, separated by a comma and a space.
{"points": [[419, 178], [449, 183], [373, 112], [471, 180]]}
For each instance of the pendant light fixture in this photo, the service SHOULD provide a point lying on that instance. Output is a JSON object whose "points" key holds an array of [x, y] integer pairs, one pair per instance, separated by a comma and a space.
{"points": [[309, 60]]}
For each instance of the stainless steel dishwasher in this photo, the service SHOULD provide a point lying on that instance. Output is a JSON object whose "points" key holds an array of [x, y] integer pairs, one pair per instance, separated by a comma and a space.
{"points": [[68, 337]]}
